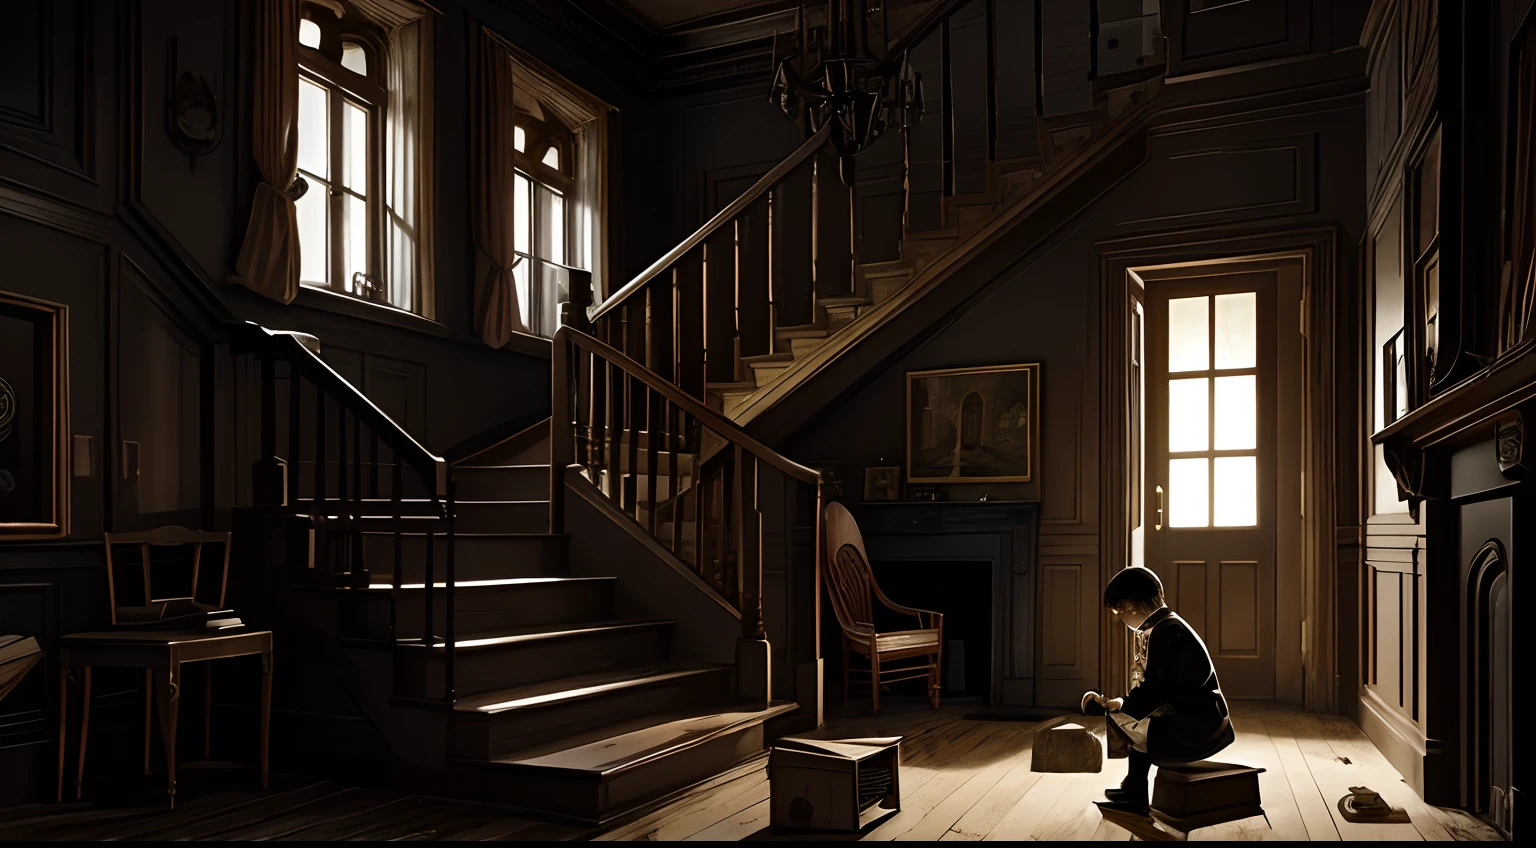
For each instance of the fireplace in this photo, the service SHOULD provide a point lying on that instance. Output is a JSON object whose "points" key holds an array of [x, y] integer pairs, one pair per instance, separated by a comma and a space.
{"points": [[962, 591], [960, 549]]}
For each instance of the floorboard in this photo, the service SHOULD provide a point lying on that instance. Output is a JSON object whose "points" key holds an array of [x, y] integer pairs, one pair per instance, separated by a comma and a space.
{"points": [[961, 780]]}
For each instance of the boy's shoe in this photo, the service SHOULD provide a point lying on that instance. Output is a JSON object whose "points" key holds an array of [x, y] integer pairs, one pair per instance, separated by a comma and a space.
{"points": [[1130, 809], [1127, 799]]}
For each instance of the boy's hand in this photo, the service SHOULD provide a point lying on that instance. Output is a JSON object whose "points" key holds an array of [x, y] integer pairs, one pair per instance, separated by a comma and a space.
{"points": [[1112, 705], [1089, 697]]}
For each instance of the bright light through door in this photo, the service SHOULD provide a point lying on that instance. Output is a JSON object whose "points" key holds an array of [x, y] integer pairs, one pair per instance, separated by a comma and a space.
{"points": [[1213, 411]]}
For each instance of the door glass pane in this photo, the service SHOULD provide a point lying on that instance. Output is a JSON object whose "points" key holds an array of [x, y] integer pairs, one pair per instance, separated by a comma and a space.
{"points": [[313, 128], [1188, 492], [356, 231], [522, 220], [313, 226], [1189, 334], [1236, 412], [1188, 414], [1237, 491], [1235, 330], [354, 163]]}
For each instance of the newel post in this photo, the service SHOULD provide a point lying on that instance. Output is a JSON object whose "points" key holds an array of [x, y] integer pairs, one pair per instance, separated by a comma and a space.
{"points": [[269, 473], [561, 445], [573, 312]]}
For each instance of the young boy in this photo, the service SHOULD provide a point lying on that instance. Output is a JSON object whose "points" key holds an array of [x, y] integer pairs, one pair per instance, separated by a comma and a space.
{"points": [[1175, 712]]}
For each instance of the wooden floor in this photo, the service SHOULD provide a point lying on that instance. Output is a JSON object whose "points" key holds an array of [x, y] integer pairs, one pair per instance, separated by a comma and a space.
{"points": [[961, 780]]}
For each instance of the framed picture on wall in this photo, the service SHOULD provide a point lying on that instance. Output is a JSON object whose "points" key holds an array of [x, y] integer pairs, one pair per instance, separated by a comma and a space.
{"points": [[34, 418], [973, 425], [882, 483]]}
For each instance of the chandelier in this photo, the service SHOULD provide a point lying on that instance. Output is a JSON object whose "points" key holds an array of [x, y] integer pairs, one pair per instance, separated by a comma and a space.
{"points": [[840, 74]]}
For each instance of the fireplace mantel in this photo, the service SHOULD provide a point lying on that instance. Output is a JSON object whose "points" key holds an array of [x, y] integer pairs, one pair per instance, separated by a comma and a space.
{"points": [[1003, 533]]}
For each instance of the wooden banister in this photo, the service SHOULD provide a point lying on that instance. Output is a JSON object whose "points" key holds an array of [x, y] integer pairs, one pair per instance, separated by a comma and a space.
{"points": [[721, 218], [710, 418], [288, 347]]}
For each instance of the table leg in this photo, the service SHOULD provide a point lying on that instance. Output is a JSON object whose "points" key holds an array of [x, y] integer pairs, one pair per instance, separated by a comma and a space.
{"points": [[208, 710], [63, 725], [266, 712], [85, 727], [168, 699], [149, 711]]}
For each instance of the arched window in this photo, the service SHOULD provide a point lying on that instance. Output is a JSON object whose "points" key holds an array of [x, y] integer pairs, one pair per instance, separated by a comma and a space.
{"points": [[342, 97]]}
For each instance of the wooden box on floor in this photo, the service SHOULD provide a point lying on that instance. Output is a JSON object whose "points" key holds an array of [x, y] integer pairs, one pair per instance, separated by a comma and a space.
{"points": [[1205, 793], [833, 784]]}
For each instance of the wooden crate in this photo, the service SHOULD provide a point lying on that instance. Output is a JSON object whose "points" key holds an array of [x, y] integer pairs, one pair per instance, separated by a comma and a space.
{"points": [[833, 784]]}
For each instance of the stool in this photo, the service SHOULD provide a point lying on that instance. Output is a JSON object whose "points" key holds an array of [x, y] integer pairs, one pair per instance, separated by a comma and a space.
{"points": [[1186, 796]]}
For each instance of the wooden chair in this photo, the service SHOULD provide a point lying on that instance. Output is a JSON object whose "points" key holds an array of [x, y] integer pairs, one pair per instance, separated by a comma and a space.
{"points": [[155, 609], [852, 588], [139, 640]]}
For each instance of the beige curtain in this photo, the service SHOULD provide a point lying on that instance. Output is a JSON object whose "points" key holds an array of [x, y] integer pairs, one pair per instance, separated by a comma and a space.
{"points": [[492, 185], [268, 263]]}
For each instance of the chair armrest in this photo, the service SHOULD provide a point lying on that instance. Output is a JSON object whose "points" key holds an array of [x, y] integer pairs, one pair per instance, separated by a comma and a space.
{"points": [[927, 618]]}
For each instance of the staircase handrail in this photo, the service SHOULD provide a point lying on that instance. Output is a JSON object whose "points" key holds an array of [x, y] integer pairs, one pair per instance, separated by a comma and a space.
{"points": [[286, 346], [721, 218], [717, 422]]}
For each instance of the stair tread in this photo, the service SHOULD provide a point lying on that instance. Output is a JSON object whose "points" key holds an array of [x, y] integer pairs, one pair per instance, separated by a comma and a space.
{"points": [[843, 300], [739, 385], [463, 535], [581, 686], [538, 633], [605, 752], [803, 332], [501, 583], [544, 465], [769, 360]]}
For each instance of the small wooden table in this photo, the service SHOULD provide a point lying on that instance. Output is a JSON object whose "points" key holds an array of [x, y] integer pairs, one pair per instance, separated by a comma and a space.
{"points": [[161, 653]]}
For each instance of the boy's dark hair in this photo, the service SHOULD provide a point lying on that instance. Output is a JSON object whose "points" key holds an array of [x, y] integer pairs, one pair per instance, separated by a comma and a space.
{"points": [[1134, 586]]}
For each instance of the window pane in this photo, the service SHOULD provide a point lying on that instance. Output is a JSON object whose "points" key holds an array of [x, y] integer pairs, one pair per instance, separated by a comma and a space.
{"points": [[554, 289], [1189, 334], [354, 163], [1188, 493], [519, 139], [312, 216], [354, 59], [551, 225], [1235, 330], [356, 233], [1237, 491], [313, 128], [552, 157], [522, 217], [524, 292], [1236, 413], [309, 34], [1189, 414]]}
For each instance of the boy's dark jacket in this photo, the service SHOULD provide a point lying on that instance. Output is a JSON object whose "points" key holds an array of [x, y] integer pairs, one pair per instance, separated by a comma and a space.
{"points": [[1180, 676]]}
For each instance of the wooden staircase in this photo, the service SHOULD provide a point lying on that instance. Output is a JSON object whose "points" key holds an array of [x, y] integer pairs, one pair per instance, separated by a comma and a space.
{"points": [[557, 703]]}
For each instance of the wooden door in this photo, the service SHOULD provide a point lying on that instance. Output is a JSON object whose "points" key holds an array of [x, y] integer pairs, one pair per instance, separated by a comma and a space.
{"points": [[1210, 478]]}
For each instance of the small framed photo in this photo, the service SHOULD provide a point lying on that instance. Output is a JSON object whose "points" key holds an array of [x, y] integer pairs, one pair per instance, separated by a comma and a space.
{"points": [[882, 483]]}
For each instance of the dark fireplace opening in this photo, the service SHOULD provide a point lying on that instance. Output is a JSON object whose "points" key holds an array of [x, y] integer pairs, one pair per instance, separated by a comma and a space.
{"points": [[962, 591]]}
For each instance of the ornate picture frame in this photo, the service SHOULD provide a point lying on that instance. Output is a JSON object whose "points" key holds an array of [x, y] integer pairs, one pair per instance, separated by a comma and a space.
{"points": [[882, 483], [973, 425], [34, 418]]}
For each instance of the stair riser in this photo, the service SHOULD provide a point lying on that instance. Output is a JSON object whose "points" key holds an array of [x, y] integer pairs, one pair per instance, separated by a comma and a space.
{"points": [[594, 801], [518, 483], [482, 609], [486, 737], [801, 347], [882, 288], [420, 671], [475, 558], [764, 376]]}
